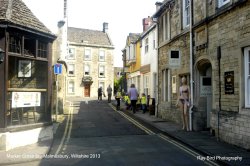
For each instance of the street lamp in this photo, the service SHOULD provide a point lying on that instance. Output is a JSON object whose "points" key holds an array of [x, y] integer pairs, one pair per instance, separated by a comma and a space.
{"points": [[1, 56]]}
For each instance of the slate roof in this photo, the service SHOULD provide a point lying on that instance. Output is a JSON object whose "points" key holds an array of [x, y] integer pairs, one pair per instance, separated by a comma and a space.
{"points": [[89, 37], [16, 13], [134, 37]]}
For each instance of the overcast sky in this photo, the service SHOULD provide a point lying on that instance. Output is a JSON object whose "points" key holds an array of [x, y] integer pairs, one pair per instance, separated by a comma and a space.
{"points": [[123, 16]]}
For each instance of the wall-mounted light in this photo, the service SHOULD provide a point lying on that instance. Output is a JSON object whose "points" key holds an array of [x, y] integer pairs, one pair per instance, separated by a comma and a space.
{"points": [[1, 55]]}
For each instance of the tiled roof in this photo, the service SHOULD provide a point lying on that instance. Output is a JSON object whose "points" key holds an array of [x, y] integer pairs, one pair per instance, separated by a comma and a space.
{"points": [[17, 13], [90, 37], [134, 37]]}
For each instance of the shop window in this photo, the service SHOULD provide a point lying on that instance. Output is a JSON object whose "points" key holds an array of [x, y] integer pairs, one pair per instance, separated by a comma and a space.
{"points": [[29, 46], [26, 108], [42, 50], [15, 44]]}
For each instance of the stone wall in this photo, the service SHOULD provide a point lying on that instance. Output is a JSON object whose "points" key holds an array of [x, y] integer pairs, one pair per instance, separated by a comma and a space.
{"points": [[229, 29], [179, 41]]}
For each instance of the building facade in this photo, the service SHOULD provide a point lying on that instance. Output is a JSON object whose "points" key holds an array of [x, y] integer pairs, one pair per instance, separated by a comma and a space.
{"points": [[173, 56], [215, 59], [133, 60], [90, 61], [26, 77], [149, 56]]}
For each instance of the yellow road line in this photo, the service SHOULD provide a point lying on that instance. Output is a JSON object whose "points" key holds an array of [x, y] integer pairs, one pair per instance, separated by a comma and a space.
{"points": [[166, 138], [186, 149], [148, 131], [65, 133]]}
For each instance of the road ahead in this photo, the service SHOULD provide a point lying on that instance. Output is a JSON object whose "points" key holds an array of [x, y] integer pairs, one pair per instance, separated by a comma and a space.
{"points": [[95, 134]]}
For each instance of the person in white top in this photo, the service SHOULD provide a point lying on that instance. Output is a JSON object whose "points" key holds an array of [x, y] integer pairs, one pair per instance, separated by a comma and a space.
{"points": [[133, 95]]}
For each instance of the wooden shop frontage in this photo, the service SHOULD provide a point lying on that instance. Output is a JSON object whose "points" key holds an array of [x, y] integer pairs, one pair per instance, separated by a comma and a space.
{"points": [[25, 77]]}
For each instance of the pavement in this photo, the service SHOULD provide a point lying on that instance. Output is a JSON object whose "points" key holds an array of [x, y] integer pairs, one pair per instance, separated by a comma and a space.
{"points": [[202, 142]]}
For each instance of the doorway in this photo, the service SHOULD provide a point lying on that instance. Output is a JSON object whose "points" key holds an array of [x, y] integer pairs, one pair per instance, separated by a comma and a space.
{"points": [[204, 90], [87, 91]]}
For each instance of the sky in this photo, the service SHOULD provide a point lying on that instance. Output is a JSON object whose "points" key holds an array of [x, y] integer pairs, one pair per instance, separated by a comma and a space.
{"points": [[123, 17]]}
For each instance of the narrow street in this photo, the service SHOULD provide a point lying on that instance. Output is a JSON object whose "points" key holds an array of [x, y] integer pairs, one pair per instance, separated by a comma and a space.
{"points": [[96, 134]]}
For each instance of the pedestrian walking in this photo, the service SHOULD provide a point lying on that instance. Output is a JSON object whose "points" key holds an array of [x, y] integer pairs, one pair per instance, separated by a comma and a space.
{"points": [[127, 101], [183, 102], [99, 91], [133, 95], [109, 92], [144, 103], [118, 96]]}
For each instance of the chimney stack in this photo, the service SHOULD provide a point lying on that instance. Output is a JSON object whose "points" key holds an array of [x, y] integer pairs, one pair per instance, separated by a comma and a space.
{"points": [[105, 27], [158, 5], [146, 22]]}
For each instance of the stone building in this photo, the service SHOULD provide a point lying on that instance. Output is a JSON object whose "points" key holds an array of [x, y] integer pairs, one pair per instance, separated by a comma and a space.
{"points": [[26, 77], [90, 61], [221, 34], [173, 56], [217, 63]]}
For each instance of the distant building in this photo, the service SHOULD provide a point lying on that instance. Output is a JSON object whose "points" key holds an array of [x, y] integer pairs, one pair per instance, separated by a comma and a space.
{"points": [[26, 77], [133, 60], [118, 73], [90, 61]]}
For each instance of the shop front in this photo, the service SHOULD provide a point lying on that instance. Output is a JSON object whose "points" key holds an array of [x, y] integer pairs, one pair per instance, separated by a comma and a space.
{"points": [[25, 81]]}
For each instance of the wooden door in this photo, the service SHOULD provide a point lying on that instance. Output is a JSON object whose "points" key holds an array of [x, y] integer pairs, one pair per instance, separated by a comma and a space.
{"points": [[87, 91]]}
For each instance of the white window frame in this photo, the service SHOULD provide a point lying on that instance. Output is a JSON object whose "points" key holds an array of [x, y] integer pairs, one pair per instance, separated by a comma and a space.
{"points": [[71, 54], [71, 90], [222, 3], [185, 13], [85, 53], [154, 40], [71, 74], [146, 45], [99, 71], [166, 85], [166, 26], [247, 76], [86, 65], [102, 56]]}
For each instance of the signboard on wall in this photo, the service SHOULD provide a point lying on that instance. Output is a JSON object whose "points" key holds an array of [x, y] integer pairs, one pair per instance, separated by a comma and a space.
{"points": [[25, 99], [229, 82]]}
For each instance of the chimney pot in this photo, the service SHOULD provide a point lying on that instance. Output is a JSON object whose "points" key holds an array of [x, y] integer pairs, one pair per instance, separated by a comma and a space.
{"points": [[105, 27]]}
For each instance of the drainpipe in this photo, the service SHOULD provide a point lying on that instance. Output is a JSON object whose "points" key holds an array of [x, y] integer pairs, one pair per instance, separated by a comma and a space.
{"points": [[218, 113], [191, 65], [157, 67]]}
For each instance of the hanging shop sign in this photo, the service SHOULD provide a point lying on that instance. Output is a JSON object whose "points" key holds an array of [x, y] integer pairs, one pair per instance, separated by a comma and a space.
{"points": [[26, 99], [229, 82]]}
